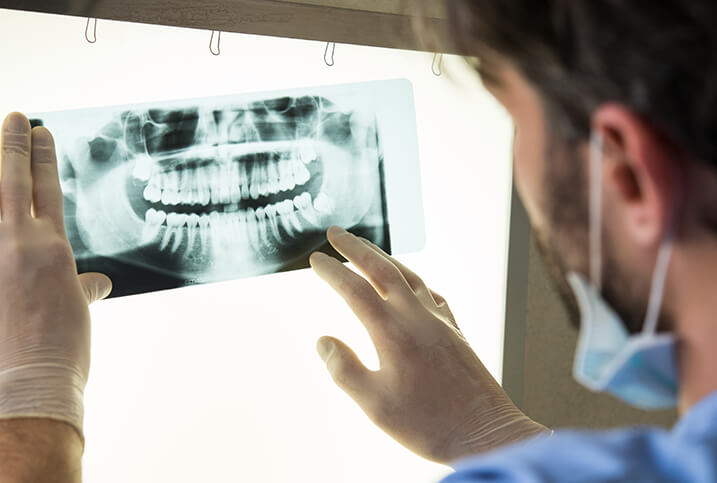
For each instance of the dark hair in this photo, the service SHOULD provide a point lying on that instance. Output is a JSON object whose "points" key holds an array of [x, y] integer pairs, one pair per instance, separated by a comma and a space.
{"points": [[656, 57]]}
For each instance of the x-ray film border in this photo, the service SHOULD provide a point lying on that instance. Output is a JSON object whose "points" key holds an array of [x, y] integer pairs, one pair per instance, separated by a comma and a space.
{"points": [[401, 167]]}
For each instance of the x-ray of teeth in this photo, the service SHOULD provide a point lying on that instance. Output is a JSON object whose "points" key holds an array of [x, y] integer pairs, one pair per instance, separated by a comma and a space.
{"points": [[171, 194]]}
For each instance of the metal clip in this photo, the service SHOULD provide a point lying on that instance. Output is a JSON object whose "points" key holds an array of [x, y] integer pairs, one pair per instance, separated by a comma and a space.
{"points": [[437, 67], [218, 50], [93, 38], [329, 60]]}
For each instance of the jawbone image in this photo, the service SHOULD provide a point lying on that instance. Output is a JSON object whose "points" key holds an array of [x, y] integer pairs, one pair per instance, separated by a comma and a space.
{"points": [[216, 189]]}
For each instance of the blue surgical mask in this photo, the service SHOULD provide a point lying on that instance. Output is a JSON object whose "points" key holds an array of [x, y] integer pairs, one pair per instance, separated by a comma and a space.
{"points": [[640, 369]]}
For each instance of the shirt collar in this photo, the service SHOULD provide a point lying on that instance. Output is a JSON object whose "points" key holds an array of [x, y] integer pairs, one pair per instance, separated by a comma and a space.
{"points": [[700, 421]]}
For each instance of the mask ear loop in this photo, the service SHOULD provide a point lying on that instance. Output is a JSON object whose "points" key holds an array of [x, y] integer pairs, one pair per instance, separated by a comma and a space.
{"points": [[596, 153], [657, 289]]}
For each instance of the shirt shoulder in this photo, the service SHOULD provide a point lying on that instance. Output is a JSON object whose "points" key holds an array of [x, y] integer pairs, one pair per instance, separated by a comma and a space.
{"points": [[686, 454]]}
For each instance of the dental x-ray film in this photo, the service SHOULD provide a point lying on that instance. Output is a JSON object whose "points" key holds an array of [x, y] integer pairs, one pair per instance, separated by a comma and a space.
{"points": [[168, 194]]}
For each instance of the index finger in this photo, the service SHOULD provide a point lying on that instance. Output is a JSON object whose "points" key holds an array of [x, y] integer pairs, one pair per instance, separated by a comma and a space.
{"points": [[47, 194], [383, 275], [355, 290], [416, 282]]}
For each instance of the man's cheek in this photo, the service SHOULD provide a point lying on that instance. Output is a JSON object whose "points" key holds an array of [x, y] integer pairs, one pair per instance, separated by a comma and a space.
{"points": [[527, 180]]}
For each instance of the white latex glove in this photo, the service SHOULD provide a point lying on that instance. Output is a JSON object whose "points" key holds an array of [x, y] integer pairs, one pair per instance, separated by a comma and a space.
{"points": [[432, 393], [44, 319]]}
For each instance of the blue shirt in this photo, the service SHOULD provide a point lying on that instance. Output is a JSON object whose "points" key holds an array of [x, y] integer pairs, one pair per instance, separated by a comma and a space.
{"points": [[687, 453]]}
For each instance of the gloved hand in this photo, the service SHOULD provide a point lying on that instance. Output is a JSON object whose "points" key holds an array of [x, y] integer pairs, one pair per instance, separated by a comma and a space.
{"points": [[44, 319], [432, 393]]}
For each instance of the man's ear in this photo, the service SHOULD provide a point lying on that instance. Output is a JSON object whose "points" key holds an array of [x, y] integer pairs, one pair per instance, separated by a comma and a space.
{"points": [[640, 173]]}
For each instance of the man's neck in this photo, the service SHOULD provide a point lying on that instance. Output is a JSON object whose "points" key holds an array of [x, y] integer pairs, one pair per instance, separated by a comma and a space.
{"points": [[694, 284]]}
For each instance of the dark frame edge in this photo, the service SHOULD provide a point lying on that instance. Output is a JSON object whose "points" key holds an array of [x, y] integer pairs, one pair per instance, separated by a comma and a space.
{"points": [[516, 302]]}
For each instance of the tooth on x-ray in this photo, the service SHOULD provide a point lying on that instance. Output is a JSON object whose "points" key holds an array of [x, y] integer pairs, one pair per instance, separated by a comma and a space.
{"points": [[200, 191]]}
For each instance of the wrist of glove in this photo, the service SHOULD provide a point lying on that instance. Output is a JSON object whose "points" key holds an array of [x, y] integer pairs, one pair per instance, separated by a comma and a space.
{"points": [[494, 422], [43, 386]]}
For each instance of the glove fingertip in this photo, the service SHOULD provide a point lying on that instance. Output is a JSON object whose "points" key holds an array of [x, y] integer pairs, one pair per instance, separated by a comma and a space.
{"points": [[97, 286], [325, 347]]}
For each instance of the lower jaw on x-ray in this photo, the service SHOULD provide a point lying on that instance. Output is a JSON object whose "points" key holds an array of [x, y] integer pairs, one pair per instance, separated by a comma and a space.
{"points": [[207, 190]]}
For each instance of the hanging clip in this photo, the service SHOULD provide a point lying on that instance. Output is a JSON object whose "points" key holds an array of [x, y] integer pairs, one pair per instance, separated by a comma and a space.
{"points": [[218, 50], [91, 39], [329, 59], [437, 65]]}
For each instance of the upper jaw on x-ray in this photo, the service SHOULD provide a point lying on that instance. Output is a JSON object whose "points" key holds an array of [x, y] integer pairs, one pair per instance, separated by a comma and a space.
{"points": [[210, 193]]}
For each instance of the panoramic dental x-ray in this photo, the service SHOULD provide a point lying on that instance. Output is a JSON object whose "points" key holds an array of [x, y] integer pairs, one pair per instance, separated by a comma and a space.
{"points": [[178, 193]]}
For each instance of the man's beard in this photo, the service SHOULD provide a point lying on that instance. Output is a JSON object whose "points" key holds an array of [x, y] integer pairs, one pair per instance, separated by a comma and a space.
{"points": [[564, 245]]}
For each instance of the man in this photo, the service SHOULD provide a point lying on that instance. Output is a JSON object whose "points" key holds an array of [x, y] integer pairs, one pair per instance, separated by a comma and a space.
{"points": [[614, 109]]}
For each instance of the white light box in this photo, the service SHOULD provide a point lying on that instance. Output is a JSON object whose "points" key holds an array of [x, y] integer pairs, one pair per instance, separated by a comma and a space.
{"points": [[221, 381]]}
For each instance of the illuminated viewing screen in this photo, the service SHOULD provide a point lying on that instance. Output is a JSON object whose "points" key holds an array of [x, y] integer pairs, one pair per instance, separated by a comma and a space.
{"points": [[201, 184]]}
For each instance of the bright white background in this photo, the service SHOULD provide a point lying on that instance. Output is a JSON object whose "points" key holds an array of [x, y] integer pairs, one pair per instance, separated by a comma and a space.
{"points": [[221, 382]]}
